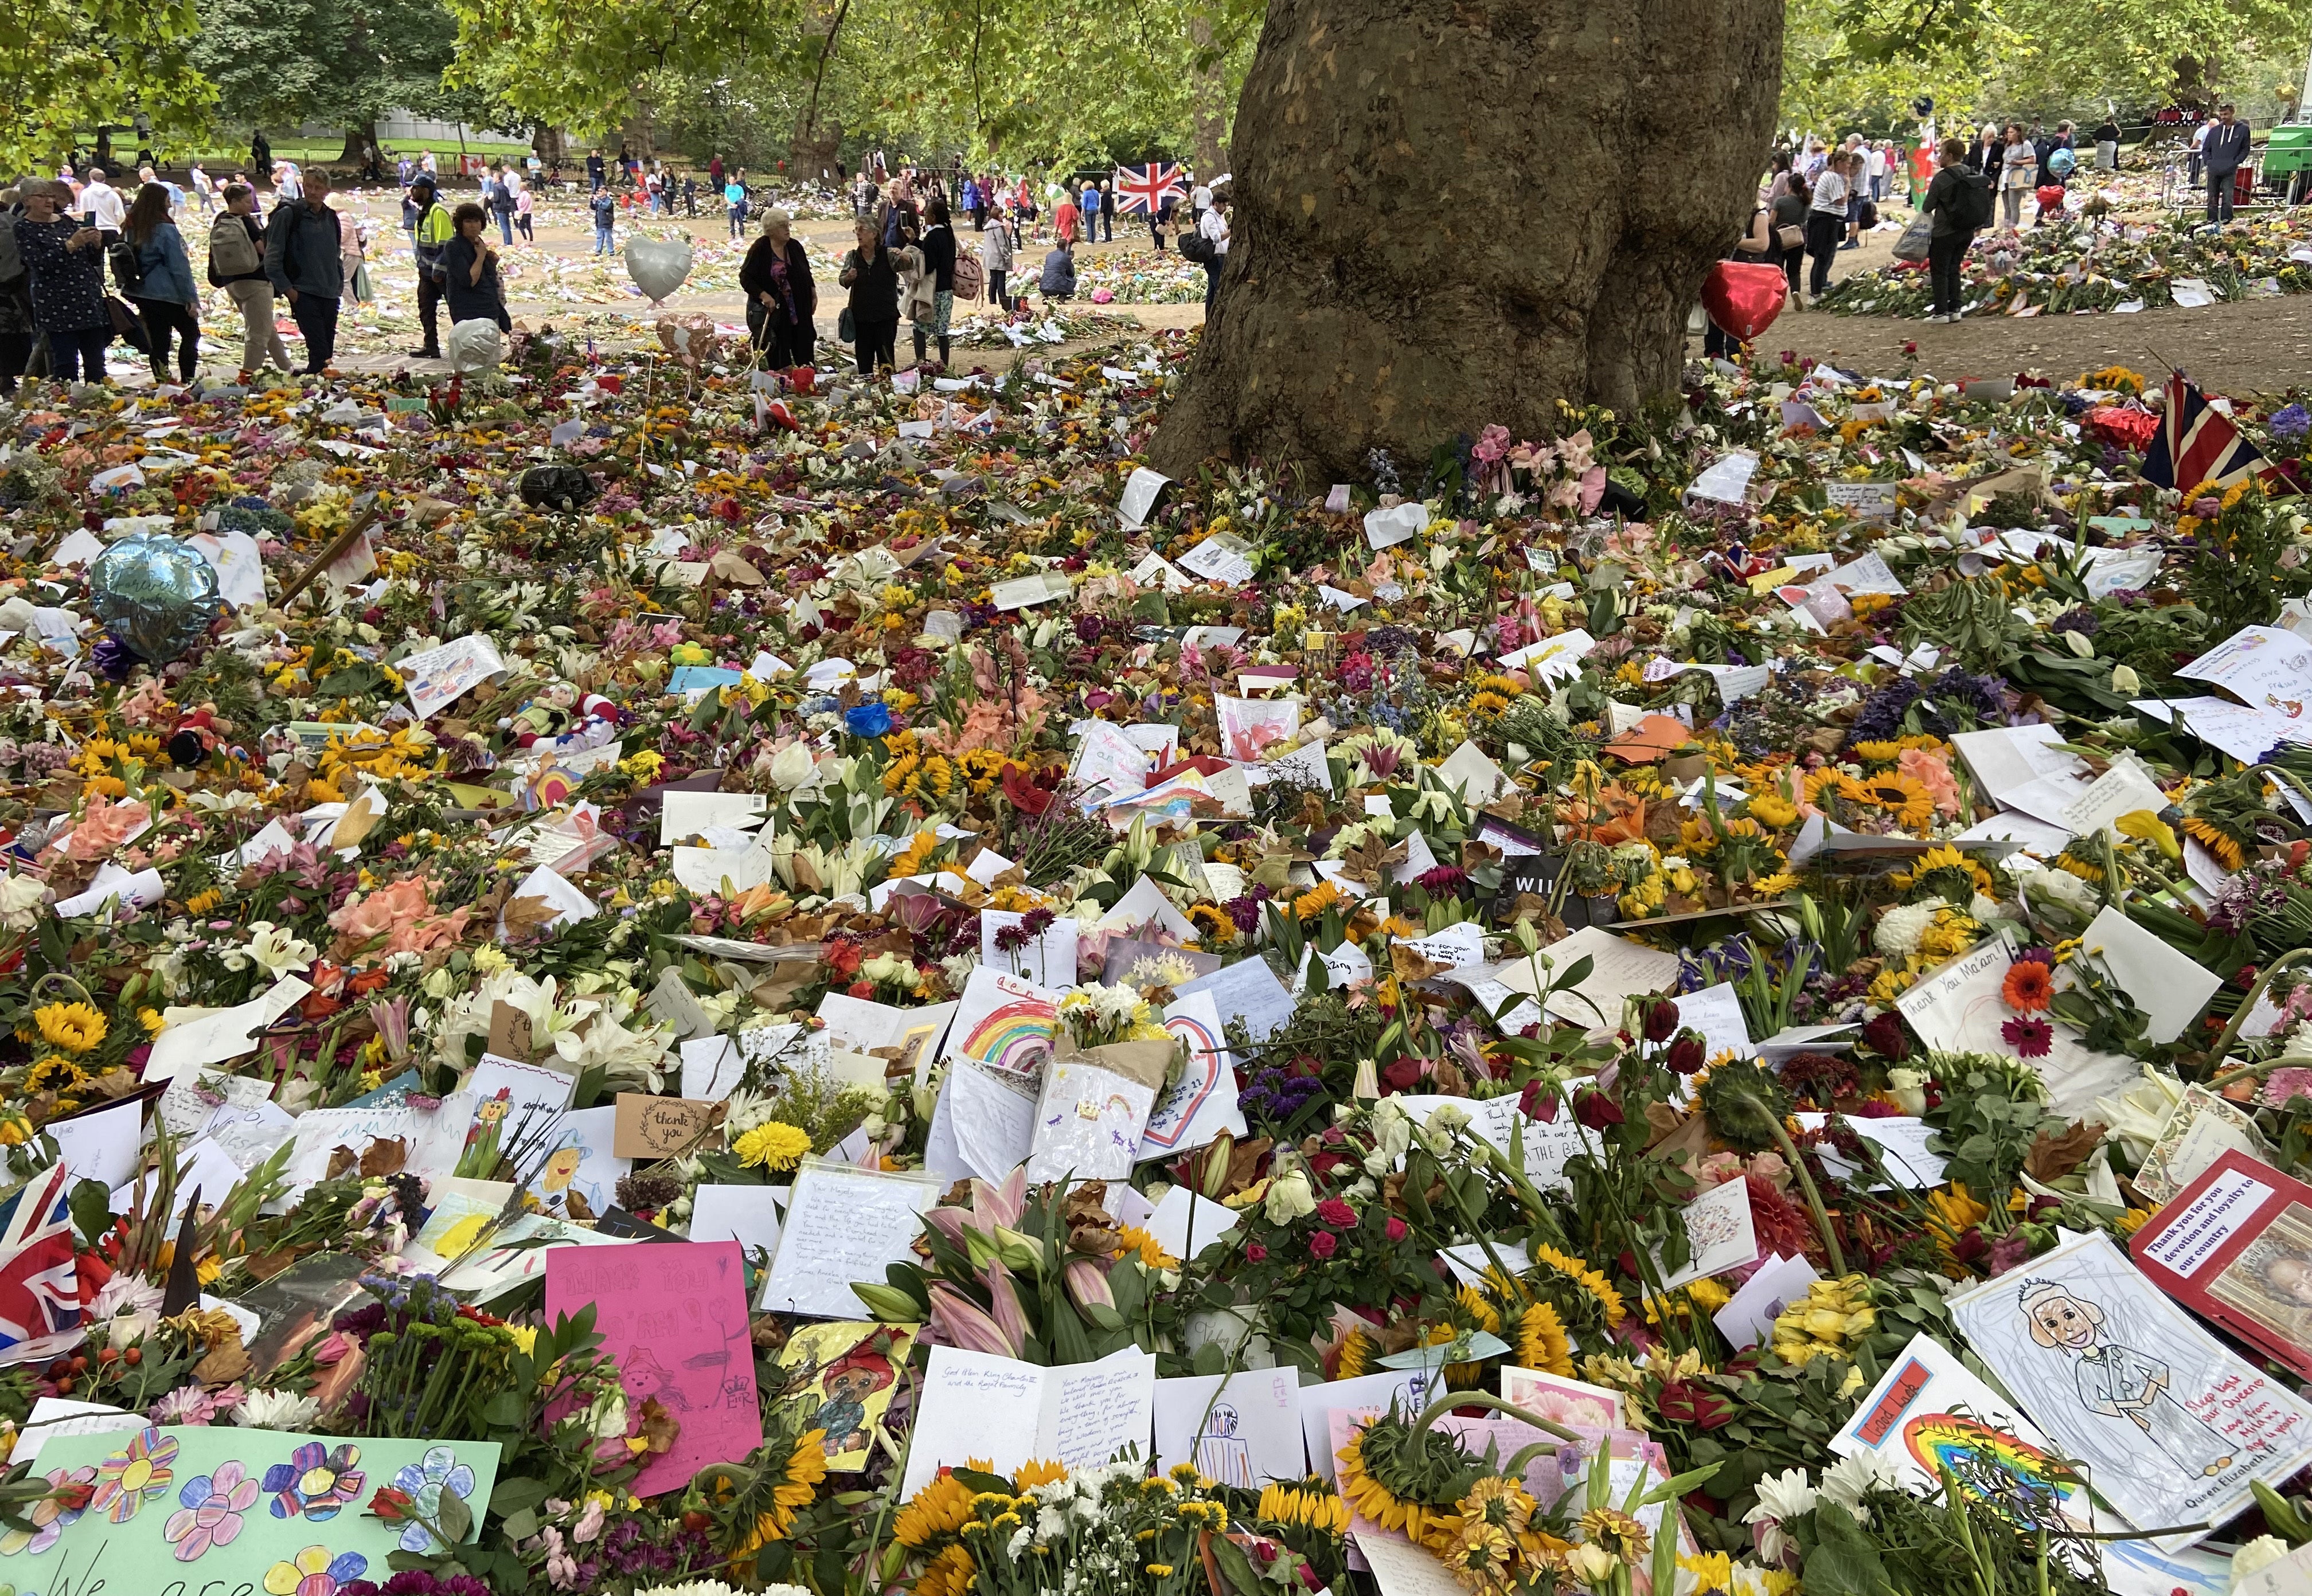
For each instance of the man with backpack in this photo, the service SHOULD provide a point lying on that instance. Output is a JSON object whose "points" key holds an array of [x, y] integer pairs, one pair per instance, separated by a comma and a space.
{"points": [[431, 240], [305, 259], [1961, 202], [237, 266]]}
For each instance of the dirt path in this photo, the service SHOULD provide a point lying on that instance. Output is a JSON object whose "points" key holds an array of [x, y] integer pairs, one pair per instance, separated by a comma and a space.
{"points": [[2262, 346], [2249, 347]]}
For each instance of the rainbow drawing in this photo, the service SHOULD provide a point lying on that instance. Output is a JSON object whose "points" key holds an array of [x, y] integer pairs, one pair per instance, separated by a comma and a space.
{"points": [[1989, 1463], [1014, 1035], [1200, 1080]]}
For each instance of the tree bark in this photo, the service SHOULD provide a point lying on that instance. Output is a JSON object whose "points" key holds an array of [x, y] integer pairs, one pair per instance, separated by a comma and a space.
{"points": [[1448, 216], [1205, 113], [358, 137]]}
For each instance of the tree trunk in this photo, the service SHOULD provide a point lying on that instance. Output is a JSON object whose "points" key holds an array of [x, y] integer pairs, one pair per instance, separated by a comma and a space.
{"points": [[1451, 215], [1210, 83], [812, 149], [358, 138]]}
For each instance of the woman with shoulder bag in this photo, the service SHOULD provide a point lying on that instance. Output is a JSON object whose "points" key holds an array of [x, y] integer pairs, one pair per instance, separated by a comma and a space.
{"points": [[166, 296], [1789, 211], [2018, 174], [873, 312], [1758, 246]]}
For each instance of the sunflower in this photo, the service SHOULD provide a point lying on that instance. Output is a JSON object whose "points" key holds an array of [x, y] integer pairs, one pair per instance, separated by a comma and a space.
{"points": [[76, 1027], [1566, 1270], [1905, 799], [55, 1072], [1359, 1348], [950, 1574], [940, 1508], [1877, 751], [1309, 1502], [1542, 1343], [1404, 1480], [2229, 853], [799, 1479]]}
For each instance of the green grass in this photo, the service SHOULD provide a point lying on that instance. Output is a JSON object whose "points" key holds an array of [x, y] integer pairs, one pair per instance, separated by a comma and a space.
{"points": [[304, 151]]}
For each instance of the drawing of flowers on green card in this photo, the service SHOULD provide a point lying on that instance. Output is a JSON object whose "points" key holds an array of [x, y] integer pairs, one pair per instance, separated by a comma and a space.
{"points": [[209, 1510], [135, 1474]]}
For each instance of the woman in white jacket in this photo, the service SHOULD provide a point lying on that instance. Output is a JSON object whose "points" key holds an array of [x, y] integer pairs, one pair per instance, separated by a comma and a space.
{"points": [[995, 259]]}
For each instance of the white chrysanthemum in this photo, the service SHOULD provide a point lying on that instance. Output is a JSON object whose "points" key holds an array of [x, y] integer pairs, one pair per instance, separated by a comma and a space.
{"points": [[1903, 928], [276, 1410], [2261, 1553], [1780, 1497], [1850, 1479]]}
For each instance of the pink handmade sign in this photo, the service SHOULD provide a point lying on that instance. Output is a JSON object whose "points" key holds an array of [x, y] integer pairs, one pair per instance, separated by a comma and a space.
{"points": [[674, 1314]]}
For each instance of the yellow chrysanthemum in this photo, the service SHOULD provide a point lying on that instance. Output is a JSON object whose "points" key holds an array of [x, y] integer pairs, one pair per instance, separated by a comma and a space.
{"points": [[773, 1145]]}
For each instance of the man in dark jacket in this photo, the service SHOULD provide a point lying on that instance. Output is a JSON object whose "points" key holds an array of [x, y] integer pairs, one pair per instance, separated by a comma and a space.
{"points": [[302, 260], [593, 171], [2226, 149]]}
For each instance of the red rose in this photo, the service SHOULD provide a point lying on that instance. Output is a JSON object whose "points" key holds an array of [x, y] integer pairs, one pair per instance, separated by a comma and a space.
{"points": [[1337, 1214], [1538, 1104], [1662, 1020], [1395, 1228], [1686, 1055], [1884, 1034], [1598, 1111], [390, 1504], [1255, 1252], [1684, 1402], [1324, 1243]]}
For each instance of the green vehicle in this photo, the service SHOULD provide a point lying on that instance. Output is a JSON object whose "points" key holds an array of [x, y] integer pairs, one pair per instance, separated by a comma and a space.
{"points": [[2287, 160]]}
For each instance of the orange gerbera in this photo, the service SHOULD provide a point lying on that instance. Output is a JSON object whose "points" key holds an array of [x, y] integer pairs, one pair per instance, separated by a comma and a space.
{"points": [[2030, 986]]}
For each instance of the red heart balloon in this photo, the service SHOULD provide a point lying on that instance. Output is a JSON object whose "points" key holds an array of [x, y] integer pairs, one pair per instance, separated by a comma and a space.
{"points": [[1743, 299]]}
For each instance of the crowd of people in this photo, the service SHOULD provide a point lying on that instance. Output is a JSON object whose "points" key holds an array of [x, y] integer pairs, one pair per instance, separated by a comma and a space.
{"points": [[62, 237], [1820, 197]]}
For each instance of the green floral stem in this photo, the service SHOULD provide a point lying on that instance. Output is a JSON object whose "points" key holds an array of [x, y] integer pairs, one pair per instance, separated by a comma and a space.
{"points": [[2293, 956], [1477, 1399], [1806, 1183]]}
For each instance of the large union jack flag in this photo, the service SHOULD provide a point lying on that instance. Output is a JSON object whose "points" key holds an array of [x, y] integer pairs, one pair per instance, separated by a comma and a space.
{"points": [[2198, 443], [39, 1295], [1142, 190]]}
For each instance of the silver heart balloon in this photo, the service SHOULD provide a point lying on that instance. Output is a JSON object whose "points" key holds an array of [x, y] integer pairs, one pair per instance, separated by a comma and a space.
{"points": [[658, 269]]}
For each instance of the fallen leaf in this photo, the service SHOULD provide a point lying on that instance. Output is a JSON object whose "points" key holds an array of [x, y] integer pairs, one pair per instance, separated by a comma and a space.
{"points": [[659, 1428], [2052, 1157]]}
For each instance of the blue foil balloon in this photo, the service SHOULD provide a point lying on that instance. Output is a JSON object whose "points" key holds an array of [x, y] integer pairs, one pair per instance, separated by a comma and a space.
{"points": [[156, 594]]}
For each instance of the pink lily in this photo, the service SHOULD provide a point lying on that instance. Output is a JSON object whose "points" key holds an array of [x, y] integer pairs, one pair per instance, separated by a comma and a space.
{"points": [[964, 1323]]}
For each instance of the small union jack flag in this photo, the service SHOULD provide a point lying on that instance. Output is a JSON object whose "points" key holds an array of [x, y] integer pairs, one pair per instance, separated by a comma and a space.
{"points": [[1142, 190], [39, 1297], [2198, 443]]}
